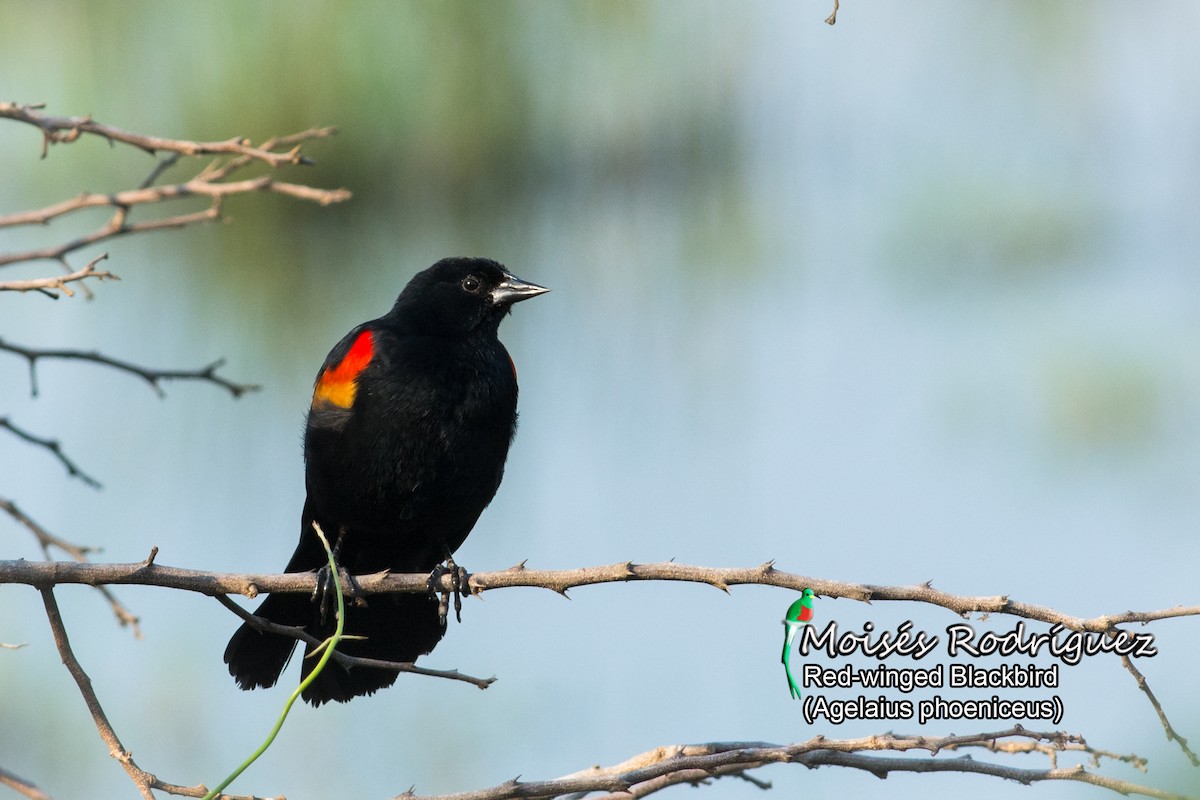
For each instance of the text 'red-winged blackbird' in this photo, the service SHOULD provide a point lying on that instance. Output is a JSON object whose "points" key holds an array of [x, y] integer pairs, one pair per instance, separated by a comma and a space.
{"points": [[411, 418]]}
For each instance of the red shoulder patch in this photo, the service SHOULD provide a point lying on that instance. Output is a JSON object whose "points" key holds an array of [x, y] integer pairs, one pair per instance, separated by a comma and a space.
{"points": [[338, 384]]}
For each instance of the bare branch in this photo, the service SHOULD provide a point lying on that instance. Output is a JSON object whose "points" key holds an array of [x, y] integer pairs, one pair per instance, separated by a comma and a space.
{"points": [[58, 283], [21, 786], [57, 130], [142, 779], [209, 183], [146, 195], [1172, 734], [116, 226], [1052, 750], [668, 766], [152, 376], [47, 540], [55, 448]]}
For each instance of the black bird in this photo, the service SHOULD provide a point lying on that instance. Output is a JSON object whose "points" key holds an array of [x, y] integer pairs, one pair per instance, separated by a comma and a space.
{"points": [[411, 419]]}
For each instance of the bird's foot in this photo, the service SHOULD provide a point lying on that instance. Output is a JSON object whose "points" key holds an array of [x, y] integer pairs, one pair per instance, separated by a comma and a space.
{"points": [[459, 581], [325, 593]]}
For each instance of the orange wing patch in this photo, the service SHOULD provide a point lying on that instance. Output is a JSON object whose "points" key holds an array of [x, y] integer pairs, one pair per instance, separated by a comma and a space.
{"points": [[339, 384]]}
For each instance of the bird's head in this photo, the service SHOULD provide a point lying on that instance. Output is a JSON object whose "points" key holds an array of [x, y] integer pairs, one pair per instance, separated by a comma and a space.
{"points": [[461, 296]]}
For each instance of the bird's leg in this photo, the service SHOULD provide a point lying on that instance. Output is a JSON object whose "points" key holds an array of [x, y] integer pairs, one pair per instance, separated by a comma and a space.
{"points": [[325, 591], [458, 581]]}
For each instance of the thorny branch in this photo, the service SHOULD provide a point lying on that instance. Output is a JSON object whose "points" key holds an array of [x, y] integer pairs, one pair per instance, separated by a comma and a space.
{"points": [[694, 764], [152, 376], [148, 573]]}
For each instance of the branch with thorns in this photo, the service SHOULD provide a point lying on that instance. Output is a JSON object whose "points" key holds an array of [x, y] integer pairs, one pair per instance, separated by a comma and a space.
{"points": [[696, 764], [148, 573]]}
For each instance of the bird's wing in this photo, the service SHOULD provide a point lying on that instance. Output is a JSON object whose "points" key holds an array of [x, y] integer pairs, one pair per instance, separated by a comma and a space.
{"points": [[337, 382]]}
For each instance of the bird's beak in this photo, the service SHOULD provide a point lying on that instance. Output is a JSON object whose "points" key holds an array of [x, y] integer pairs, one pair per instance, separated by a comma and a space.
{"points": [[513, 290]]}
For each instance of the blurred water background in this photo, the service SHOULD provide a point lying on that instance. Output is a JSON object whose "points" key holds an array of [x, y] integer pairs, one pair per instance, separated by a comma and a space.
{"points": [[909, 298]]}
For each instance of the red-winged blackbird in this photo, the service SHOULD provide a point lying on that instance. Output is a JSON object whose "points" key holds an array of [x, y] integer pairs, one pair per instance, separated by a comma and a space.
{"points": [[411, 418]]}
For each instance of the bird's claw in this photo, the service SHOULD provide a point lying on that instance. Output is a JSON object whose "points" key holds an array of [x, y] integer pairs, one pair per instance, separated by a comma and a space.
{"points": [[459, 581], [325, 592]]}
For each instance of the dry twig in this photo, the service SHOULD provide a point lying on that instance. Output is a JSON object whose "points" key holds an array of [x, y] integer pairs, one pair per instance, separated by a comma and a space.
{"points": [[210, 182], [50, 285], [58, 130], [692, 764], [144, 781], [46, 540], [152, 376], [55, 448], [21, 786], [1172, 734]]}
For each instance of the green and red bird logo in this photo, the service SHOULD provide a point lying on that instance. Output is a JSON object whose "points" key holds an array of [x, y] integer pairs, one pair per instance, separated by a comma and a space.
{"points": [[799, 613]]}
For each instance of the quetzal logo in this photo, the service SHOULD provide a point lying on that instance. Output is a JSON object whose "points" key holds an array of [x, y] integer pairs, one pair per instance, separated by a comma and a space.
{"points": [[799, 613]]}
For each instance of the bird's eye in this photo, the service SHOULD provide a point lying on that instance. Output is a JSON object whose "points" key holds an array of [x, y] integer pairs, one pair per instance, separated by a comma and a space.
{"points": [[471, 283]]}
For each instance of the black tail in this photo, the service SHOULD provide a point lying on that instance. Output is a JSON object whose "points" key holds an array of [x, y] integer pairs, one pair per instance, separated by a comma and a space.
{"points": [[256, 659], [397, 627]]}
